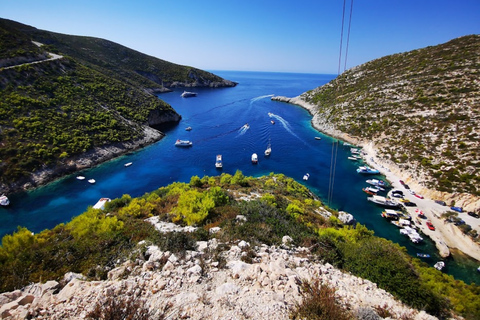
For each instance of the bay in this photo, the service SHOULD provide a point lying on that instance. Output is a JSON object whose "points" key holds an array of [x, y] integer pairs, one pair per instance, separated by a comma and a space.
{"points": [[218, 118]]}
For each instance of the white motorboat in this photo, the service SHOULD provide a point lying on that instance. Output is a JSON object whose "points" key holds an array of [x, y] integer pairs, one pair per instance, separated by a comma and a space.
{"points": [[80, 178], [384, 202], [183, 143], [128, 164], [306, 176], [218, 161], [92, 181], [187, 94], [254, 158], [439, 265], [268, 150], [188, 128], [412, 234], [101, 203], [4, 201]]}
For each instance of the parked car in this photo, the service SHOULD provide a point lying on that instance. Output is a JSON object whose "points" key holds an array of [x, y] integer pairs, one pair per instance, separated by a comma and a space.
{"points": [[440, 202], [418, 196], [410, 204], [459, 222], [402, 183], [473, 214], [406, 186], [458, 209]]}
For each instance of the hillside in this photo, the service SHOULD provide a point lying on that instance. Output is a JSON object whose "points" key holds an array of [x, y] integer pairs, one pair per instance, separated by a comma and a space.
{"points": [[420, 109], [221, 247], [70, 102]]}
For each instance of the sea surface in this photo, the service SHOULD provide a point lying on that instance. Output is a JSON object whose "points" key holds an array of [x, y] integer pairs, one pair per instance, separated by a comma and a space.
{"points": [[218, 118]]}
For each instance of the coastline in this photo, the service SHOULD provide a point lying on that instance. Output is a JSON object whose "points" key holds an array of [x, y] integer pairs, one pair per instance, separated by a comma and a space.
{"points": [[446, 236], [86, 160]]}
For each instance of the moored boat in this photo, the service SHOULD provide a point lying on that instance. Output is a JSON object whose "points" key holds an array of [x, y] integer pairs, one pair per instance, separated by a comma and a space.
{"points": [[187, 94], [352, 158], [384, 202], [439, 265], [188, 128], [92, 181], [4, 201], [371, 190], [218, 161], [80, 178], [318, 138], [128, 164], [101, 203], [306, 176], [367, 170], [423, 255], [183, 143], [377, 183], [391, 214], [254, 158], [412, 234]]}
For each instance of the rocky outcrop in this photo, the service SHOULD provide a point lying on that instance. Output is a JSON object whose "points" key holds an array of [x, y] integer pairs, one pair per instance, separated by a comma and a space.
{"points": [[159, 117], [241, 282]]}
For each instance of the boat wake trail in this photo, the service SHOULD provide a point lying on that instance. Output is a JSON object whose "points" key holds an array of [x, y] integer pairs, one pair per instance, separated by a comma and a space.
{"points": [[243, 129], [285, 125], [260, 98]]}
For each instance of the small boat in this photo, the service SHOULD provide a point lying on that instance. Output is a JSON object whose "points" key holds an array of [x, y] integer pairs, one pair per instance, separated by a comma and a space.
{"points": [[254, 158], [80, 178], [273, 122], [188, 128], [346, 144], [377, 183], [367, 170], [423, 255], [187, 94], [218, 161], [4, 201], [391, 214], [478, 269], [318, 138], [412, 234], [439, 265], [371, 190], [268, 150], [384, 202], [92, 181], [183, 143], [306, 176], [101, 203], [128, 164], [352, 158]]}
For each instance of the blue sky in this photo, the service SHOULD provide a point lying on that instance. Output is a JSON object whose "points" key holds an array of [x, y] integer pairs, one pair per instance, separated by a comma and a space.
{"points": [[256, 35]]}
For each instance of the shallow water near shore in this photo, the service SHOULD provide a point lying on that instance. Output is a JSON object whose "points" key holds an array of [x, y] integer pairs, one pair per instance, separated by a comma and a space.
{"points": [[217, 118]]}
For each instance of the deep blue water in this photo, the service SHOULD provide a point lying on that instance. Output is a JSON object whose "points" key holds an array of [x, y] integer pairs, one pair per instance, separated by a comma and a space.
{"points": [[217, 117]]}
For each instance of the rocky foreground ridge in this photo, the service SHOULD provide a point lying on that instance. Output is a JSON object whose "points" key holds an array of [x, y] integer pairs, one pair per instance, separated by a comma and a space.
{"points": [[420, 111], [216, 281]]}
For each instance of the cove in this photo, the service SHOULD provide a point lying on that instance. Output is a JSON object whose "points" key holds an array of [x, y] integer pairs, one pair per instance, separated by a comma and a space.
{"points": [[218, 118]]}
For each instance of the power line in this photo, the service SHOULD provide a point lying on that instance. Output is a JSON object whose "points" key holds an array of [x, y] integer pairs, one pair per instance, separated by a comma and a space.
{"points": [[333, 159]]}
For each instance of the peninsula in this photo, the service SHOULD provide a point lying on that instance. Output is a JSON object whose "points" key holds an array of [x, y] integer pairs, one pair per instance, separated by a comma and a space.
{"points": [[415, 116]]}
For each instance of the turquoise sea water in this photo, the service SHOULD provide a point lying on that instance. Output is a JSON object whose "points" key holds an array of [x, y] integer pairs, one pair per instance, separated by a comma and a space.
{"points": [[217, 117]]}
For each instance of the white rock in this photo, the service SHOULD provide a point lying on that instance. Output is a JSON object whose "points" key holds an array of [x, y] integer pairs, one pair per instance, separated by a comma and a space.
{"points": [[227, 288], [243, 244]]}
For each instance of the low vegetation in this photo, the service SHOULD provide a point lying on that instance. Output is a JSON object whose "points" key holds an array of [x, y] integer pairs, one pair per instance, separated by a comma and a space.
{"points": [[273, 206], [419, 107]]}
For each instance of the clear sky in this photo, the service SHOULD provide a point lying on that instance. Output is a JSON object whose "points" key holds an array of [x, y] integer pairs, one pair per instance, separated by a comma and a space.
{"points": [[256, 35]]}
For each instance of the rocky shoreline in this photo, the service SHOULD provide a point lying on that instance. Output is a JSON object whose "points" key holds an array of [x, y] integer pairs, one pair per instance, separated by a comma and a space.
{"points": [[86, 160], [447, 235]]}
